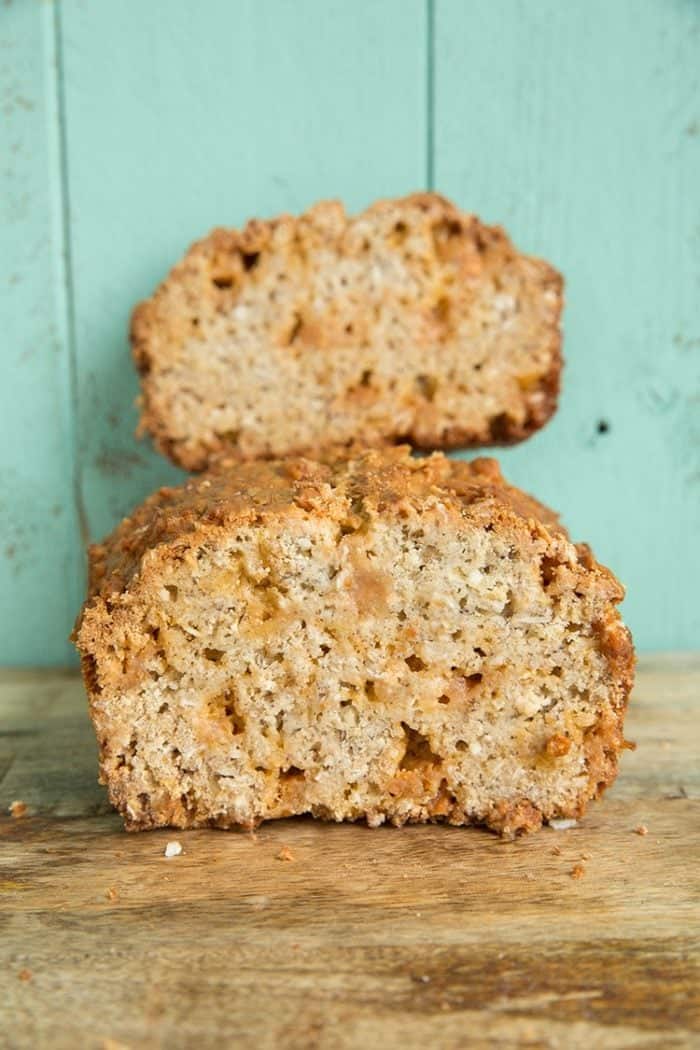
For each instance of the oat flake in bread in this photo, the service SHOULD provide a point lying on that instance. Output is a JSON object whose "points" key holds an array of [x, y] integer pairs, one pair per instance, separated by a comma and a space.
{"points": [[411, 321], [375, 637]]}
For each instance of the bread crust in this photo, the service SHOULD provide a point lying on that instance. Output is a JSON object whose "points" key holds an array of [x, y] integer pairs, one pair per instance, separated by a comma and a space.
{"points": [[446, 271], [237, 491]]}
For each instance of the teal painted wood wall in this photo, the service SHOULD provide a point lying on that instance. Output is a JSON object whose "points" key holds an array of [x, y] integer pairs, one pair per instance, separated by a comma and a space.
{"points": [[128, 129]]}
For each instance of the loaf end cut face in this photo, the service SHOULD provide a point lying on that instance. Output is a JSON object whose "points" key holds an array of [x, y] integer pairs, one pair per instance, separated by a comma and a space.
{"points": [[380, 637], [412, 321]]}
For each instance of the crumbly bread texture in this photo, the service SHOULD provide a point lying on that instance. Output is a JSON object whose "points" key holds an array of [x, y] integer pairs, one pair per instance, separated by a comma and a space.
{"points": [[412, 321], [377, 637]]}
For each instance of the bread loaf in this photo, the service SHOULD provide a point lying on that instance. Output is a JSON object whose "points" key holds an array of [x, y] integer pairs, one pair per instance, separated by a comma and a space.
{"points": [[412, 321], [375, 637]]}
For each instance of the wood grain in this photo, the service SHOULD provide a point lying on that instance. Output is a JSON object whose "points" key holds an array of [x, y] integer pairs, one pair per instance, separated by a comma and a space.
{"points": [[423, 936]]}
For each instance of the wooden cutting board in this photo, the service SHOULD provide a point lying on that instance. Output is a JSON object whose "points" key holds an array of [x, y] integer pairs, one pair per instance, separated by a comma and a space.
{"points": [[310, 935]]}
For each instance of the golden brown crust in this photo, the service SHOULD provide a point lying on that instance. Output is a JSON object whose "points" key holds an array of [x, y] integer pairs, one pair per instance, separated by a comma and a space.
{"points": [[350, 491], [466, 269], [241, 490]]}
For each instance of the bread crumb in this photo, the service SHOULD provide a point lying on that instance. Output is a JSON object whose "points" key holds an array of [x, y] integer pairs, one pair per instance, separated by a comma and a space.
{"points": [[578, 871], [586, 856], [286, 854], [173, 849], [563, 825], [556, 851], [641, 829], [112, 894], [558, 745], [17, 808], [25, 975]]}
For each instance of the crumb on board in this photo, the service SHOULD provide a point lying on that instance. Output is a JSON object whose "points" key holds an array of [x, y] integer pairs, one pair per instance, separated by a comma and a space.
{"points": [[586, 856], [578, 871], [641, 829], [286, 854], [17, 809], [564, 824], [556, 851], [112, 894], [173, 849], [25, 975]]}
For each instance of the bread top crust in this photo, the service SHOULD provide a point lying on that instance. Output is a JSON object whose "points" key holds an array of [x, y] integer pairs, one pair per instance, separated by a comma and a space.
{"points": [[451, 253], [351, 490], [345, 487]]}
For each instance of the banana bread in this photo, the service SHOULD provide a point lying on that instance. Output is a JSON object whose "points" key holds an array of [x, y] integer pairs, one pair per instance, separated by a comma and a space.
{"points": [[376, 637], [412, 321]]}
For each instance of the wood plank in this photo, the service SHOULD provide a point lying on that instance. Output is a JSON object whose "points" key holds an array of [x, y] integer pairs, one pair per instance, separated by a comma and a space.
{"points": [[39, 547], [416, 936], [178, 122], [578, 126]]}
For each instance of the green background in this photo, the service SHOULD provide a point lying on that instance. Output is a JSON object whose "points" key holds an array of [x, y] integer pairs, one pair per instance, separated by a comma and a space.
{"points": [[128, 129]]}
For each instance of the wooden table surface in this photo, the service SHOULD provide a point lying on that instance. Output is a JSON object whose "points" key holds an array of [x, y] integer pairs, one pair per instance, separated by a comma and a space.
{"points": [[310, 935]]}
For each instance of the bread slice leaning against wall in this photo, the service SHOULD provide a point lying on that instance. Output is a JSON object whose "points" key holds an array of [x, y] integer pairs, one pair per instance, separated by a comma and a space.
{"points": [[411, 321], [370, 637]]}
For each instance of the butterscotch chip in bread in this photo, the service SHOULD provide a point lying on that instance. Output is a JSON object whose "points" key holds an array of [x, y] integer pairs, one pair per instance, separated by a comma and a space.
{"points": [[375, 637], [412, 321]]}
